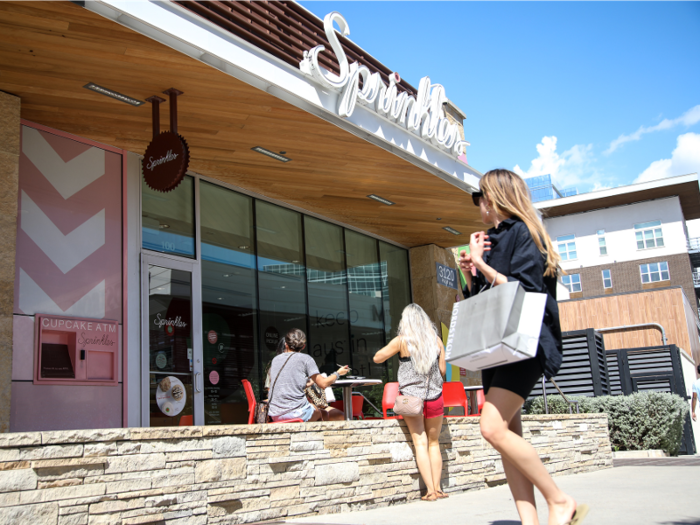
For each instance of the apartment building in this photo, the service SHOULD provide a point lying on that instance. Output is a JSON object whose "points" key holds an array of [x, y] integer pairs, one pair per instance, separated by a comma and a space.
{"points": [[626, 239]]}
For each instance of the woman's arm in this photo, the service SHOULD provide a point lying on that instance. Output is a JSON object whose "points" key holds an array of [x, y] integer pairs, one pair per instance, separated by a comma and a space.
{"points": [[442, 363], [325, 382], [393, 348]]}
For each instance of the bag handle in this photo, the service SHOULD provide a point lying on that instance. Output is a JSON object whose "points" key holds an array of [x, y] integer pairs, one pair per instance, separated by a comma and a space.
{"points": [[269, 400]]}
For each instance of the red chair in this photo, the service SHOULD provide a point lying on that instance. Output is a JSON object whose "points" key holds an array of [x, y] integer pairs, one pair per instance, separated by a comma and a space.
{"points": [[186, 421], [252, 402], [391, 390], [480, 400], [454, 395], [357, 405]]}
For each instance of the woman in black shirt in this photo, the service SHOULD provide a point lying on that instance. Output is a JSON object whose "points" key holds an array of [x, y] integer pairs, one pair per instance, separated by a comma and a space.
{"points": [[517, 248]]}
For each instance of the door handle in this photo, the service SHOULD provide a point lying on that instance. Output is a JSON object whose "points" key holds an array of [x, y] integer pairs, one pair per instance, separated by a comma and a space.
{"points": [[197, 384]]}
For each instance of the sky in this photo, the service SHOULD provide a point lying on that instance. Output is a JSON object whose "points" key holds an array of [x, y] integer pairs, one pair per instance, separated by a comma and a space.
{"points": [[597, 94]]}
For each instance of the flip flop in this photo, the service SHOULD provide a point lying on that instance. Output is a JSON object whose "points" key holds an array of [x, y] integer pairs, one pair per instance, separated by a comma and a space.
{"points": [[441, 495], [580, 513], [430, 497]]}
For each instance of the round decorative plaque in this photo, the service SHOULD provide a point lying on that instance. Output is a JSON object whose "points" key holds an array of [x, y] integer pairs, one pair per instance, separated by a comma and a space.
{"points": [[166, 161]]}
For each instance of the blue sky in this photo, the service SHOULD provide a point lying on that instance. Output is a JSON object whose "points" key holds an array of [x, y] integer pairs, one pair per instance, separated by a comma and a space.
{"points": [[598, 94]]}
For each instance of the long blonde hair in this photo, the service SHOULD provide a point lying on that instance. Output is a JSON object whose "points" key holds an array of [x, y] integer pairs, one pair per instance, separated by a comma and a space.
{"points": [[509, 195], [419, 334]]}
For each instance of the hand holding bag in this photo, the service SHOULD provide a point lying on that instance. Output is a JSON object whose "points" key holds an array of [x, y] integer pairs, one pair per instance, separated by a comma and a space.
{"points": [[497, 326], [262, 409]]}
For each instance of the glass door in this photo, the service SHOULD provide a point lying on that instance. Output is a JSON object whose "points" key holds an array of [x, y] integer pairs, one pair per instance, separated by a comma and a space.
{"points": [[173, 360]]}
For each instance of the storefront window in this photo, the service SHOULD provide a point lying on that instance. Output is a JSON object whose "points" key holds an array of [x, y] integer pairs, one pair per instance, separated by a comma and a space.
{"points": [[366, 316], [281, 277], [229, 303], [328, 338], [168, 219], [170, 346], [396, 285]]}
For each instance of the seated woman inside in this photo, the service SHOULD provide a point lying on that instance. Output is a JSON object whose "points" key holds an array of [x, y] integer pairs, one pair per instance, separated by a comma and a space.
{"points": [[289, 373]]}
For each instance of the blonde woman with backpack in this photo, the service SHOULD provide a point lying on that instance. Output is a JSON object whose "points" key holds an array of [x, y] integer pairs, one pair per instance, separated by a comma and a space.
{"points": [[421, 369]]}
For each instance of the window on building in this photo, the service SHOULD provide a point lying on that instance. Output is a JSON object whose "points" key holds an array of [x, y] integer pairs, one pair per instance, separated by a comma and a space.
{"points": [[607, 279], [601, 243], [572, 282], [654, 272], [566, 245], [649, 235]]}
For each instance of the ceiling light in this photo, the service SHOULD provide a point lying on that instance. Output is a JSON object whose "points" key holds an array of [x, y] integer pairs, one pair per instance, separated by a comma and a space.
{"points": [[163, 226], [244, 247], [452, 230], [226, 275], [380, 199], [295, 262], [271, 154], [221, 298], [104, 91]]}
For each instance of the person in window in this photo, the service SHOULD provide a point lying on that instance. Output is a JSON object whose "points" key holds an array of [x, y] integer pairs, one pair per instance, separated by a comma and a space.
{"points": [[517, 248], [421, 369], [288, 373]]}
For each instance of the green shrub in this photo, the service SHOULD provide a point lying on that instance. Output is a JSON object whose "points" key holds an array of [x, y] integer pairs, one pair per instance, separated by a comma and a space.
{"points": [[641, 421]]}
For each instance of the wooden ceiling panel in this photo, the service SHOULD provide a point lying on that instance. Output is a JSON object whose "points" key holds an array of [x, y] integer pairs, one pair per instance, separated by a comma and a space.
{"points": [[50, 50]]}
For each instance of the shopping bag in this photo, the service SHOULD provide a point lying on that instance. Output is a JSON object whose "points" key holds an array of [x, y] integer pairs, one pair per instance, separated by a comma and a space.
{"points": [[498, 326]]}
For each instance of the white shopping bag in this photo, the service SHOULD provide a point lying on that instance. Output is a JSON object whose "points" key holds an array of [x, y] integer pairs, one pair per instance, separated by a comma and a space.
{"points": [[498, 326]]}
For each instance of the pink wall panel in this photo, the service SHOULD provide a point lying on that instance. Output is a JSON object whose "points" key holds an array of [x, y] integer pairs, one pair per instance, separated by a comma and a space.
{"points": [[69, 234], [22, 348], [60, 407]]}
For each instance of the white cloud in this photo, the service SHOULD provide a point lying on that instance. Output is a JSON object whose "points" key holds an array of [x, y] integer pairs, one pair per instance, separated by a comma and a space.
{"points": [[684, 159], [689, 118], [571, 168]]}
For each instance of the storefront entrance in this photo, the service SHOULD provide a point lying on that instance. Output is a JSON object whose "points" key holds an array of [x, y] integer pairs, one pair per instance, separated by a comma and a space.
{"points": [[171, 317], [226, 275]]}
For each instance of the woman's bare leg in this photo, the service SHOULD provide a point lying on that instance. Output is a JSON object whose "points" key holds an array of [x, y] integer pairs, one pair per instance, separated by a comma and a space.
{"points": [[333, 414], [420, 443], [499, 409], [522, 488], [432, 429]]}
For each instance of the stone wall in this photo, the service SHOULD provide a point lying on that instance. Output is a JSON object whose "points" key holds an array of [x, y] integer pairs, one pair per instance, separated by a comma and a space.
{"points": [[9, 178], [247, 473]]}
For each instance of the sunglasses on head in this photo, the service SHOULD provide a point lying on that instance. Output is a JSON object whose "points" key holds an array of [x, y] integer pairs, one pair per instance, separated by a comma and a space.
{"points": [[476, 197]]}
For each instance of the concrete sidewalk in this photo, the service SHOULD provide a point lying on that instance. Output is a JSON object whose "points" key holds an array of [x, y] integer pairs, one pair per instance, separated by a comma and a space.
{"points": [[634, 495]]}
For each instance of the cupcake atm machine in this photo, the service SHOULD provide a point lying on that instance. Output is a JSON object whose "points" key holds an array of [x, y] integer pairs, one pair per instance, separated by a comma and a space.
{"points": [[76, 351]]}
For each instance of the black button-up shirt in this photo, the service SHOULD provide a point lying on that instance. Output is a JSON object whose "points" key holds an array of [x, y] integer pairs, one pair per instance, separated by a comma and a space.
{"points": [[515, 255]]}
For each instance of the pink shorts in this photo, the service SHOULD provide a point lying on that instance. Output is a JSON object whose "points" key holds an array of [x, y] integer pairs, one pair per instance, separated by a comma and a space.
{"points": [[434, 408]]}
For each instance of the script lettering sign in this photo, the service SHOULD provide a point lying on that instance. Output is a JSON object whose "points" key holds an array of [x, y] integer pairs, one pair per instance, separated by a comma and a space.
{"points": [[423, 115], [165, 161]]}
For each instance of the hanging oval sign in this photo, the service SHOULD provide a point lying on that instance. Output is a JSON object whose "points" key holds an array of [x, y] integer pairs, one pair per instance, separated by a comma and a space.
{"points": [[165, 162]]}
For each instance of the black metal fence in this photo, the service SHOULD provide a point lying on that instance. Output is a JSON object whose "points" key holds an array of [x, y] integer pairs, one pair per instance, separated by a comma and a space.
{"points": [[590, 370]]}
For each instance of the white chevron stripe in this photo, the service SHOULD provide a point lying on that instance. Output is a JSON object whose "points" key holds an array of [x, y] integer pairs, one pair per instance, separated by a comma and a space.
{"points": [[66, 251], [67, 177], [34, 300]]}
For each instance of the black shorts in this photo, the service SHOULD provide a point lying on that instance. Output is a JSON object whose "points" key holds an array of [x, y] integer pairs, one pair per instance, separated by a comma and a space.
{"points": [[519, 377]]}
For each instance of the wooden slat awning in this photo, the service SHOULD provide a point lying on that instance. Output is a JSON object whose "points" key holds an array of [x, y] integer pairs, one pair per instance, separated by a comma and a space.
{"points": [[50, 50]]}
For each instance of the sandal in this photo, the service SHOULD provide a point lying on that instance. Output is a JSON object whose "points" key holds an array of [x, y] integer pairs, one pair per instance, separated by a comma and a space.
{"points": [[441, 495], [432, 496], [578, 515]]}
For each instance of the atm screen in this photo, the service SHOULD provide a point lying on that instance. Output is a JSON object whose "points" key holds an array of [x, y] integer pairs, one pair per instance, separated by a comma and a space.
{"points": [[56, 361]]}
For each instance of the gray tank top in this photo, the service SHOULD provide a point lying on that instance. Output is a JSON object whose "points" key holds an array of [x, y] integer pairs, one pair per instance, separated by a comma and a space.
{"points": [[411, 383]]}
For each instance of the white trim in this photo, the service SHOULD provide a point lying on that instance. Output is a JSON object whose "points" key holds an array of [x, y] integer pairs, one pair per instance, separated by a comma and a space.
{"points": [[620, 190], [167, 22]]}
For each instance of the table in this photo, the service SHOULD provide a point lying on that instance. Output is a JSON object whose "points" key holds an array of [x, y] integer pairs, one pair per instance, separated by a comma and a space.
{"points": [[348, 385], [473, 407]]}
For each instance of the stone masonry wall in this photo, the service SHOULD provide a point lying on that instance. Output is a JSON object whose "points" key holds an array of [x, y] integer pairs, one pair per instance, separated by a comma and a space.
{"points": [[247, 473]]}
